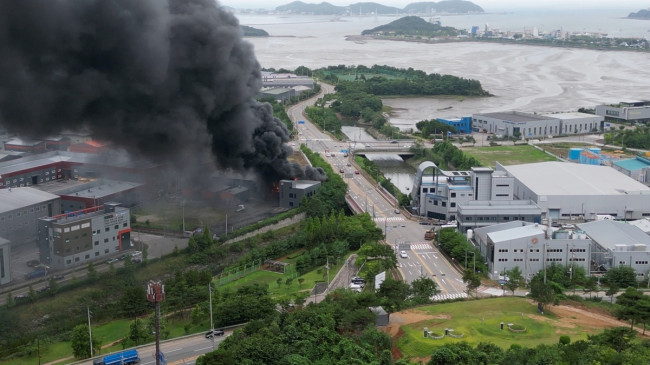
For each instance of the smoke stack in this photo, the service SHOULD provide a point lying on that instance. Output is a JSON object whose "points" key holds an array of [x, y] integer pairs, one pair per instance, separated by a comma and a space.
{"points": [[172, 81]]}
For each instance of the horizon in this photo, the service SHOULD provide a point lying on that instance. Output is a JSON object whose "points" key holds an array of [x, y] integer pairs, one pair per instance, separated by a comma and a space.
{"points": [[487, 5]]}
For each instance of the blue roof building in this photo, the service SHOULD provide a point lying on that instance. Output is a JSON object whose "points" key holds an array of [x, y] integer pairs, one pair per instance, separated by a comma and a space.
{"points": [[462, 125], [637, 168]]}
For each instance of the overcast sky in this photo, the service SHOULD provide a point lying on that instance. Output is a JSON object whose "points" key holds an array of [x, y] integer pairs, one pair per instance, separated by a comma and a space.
{"points": [[632, 5]]}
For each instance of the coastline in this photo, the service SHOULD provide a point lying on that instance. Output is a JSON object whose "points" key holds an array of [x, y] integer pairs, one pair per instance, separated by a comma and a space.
{"points": [[365, 38]]}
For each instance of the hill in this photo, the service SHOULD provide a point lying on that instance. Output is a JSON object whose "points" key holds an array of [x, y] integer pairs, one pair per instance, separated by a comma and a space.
{"points": [[448, 6], [325, 8], [641, 14], [412, 26], [254, 32]]}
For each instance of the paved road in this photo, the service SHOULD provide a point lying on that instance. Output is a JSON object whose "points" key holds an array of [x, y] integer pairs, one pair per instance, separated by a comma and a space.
{"points": [[423, 259]]}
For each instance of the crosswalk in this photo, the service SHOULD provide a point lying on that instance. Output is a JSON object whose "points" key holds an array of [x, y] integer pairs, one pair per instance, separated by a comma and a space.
{"points": [[421, 246], [388, 219], [441, 297]]}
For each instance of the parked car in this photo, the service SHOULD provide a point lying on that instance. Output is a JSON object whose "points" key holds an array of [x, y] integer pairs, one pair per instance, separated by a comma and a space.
{"points": [[403, 254], [356, 172], [397, 211], [113, 260], [213, 333], [58, 277]]}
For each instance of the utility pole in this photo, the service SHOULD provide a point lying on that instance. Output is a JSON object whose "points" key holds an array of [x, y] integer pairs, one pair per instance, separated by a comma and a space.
{"points": [[211, 323], [90, 333], [156, 294]]}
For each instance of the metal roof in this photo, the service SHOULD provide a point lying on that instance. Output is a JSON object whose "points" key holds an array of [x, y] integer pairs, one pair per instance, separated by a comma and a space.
{"points": [[642, 224], [516, 233], [572, 115], [565, 178], [609, 234], [17, 198], [632, 164], [515, 116], [484, 231]]}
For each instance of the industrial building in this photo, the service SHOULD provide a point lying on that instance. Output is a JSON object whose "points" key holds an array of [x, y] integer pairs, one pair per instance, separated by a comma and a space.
{"points": [[631, 111], [619, 244], [440, 194], [566, 191], [20, 209], [76, 238], [637, 168], [462, 125], [292, 191], [279, 94], [531, 247], [86, 193], [525, 125], [481, 213]]}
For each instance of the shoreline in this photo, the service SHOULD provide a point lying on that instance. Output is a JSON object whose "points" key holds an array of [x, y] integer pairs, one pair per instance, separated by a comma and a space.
{"points": [[360, 39]]}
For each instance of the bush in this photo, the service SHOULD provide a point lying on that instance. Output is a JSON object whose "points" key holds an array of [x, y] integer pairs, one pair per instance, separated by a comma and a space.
{"points": [[565, 340]]}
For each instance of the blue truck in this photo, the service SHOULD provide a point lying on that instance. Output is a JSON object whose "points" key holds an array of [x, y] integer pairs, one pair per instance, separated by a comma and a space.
{"points": [[42, 271], [121, 358]]}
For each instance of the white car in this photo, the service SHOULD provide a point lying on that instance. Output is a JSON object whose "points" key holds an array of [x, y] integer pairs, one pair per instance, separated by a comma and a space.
{"points": [[403, 254]]}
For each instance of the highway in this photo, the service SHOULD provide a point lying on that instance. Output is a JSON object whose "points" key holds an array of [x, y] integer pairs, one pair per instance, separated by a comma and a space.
{"points": [[401, 233]]}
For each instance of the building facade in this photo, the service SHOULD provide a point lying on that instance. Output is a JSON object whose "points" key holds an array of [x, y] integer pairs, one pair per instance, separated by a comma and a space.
{"points": [[80, 237], [525, 125], [481, 213], [292, 191], [462, 125], [531, 247], [567, 191], [636, 111], [20, 209]]}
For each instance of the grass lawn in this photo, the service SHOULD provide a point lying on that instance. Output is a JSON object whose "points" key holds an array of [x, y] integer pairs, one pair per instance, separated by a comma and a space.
{"points": [[269, 278], [507, 155], [479, 321]]}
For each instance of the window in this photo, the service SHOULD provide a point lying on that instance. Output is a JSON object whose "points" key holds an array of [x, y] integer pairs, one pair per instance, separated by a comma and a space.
{"points": [[87, 257], [117, 226], [453, 195], [96, 253], [107, 229], [502, 194], [640, 262], [506, 218], [533, 260], [452, 204], [503, 250], [503, 260], [444, 204], [105, 240], [435, 202], [425, 190], [517, 259], [621, 262], [68, 262], [106, 250], [124, 224], [502, 185]]}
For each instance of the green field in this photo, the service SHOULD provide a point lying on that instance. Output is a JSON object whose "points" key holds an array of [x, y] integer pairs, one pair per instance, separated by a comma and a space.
{"points": [[507, 155], [479, 321]]}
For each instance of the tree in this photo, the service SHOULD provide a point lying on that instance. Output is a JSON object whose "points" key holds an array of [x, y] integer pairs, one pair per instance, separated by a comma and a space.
{"points": [[542, 293], [423, 289], [80, 342], [611, 291], [138, 331], [92, 272], [393, 293], [618, 338], [623, 276], [514, 279], [472, 280], [628, 302]]}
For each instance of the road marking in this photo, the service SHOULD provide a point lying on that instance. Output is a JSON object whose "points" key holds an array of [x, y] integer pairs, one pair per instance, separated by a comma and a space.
{"points": [[435, 278]]}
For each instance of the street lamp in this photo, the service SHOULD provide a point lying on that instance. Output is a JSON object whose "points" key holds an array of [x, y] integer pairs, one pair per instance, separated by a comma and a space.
{"points": [[473, 259]]}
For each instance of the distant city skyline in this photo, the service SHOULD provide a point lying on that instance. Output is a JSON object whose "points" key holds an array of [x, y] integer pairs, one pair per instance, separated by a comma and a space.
{"points": [[488, 5]]}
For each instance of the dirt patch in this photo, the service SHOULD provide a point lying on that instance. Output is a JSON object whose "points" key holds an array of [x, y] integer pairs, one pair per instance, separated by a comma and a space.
{"points": [[567, 317]]}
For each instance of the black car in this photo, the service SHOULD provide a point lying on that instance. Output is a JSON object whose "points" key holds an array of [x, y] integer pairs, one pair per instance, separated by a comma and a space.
{"points": [[212, 333]]}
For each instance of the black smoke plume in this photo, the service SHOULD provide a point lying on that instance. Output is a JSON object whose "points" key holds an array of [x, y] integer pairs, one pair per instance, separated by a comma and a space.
{"points": [[167, 80]]}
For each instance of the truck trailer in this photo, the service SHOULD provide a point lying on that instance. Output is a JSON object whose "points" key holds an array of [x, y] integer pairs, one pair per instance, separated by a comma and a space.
{"points": [[121, 358]]}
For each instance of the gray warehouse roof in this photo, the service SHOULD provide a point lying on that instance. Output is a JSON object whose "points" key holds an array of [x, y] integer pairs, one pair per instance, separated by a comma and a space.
{"points": [[515, 116], [610, 233], [518, 232], [564, 178], [16, 198]]}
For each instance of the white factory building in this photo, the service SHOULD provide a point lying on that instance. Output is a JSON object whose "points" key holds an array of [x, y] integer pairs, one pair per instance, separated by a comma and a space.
{"points": [[619, 244], [527, 125], [566, 191], [531, 247]]}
